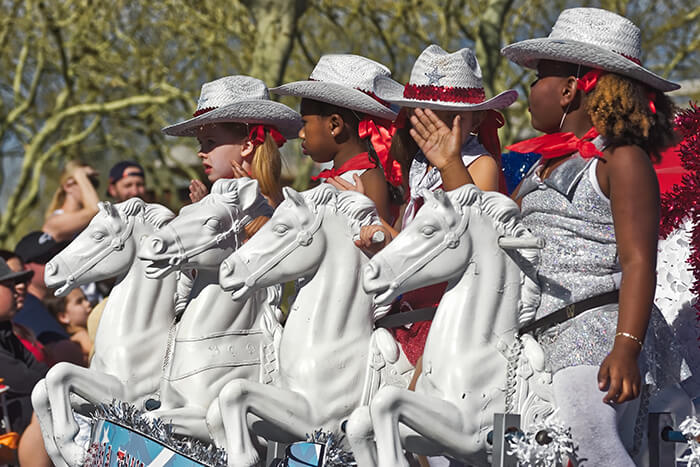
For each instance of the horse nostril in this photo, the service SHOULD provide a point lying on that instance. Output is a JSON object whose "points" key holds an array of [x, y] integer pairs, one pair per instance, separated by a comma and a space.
{"points": [[157, 245], [371, 271], [51, 269], [226, 268]]}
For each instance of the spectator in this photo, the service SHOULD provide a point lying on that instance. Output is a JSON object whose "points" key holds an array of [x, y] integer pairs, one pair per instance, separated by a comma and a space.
{"points": [[126, 180], [18, 366], [72, 313], [74, 204], [35, 250]]}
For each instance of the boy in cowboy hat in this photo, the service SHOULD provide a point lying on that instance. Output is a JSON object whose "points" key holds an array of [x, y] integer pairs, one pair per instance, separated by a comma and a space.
{"points": [[594, 198], [239, 130], [344, 122]]}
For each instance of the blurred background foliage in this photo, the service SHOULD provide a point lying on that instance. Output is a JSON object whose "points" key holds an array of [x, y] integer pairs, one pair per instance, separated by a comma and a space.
{"points": [[97, 80]]}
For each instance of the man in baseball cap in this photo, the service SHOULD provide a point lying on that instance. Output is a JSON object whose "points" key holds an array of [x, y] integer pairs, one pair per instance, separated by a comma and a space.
{"points": [[127, 179]]}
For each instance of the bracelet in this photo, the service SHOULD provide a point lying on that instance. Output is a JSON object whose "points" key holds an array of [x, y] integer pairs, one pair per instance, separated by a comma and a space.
{"points": [[630, 336]]}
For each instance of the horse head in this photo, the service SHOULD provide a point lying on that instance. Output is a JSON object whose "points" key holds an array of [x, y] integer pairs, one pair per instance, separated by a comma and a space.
{"points": [[205, 232], [109, 235], [293, 243]]}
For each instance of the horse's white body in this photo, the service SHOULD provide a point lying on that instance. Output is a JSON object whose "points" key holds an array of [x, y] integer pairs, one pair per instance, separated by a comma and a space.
{"points": [[330, 358], [491, 291], [132, 334], [217, 339]]}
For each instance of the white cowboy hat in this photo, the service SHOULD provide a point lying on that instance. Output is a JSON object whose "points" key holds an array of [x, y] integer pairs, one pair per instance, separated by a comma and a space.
{"points": [[344, 80], [443, 81], [594, 38], [240, 99]]}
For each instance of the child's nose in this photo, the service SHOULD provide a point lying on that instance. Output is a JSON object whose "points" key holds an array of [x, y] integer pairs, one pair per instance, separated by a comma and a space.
{"points": [[302, 134]]}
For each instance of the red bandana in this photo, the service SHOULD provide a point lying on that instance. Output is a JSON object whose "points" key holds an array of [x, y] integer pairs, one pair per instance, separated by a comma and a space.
{"points": [[257, 135], [379, 132], [359, 162], [559, 144]]}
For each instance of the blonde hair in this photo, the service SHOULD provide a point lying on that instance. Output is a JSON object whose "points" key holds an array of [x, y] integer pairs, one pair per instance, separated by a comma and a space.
{"points": [[267, 169], [59, 196]]}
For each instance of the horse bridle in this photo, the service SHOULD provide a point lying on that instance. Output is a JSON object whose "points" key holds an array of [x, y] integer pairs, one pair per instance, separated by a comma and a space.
{"points": [[304, 238], [117, 244], [182, 256], [451, 241]]}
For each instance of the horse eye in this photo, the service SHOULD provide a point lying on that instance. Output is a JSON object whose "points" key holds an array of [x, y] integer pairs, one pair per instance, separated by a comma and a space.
{"points": [[428, 231], [213, 223], [280, 229], [98, 235]]}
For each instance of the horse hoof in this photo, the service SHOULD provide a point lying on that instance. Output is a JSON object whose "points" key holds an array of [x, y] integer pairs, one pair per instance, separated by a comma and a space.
{"points": [[151, 404], [73, 454]]}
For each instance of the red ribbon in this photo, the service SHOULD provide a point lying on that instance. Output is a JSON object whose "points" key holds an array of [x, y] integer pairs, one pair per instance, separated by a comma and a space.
{"points": [[488, 137], [559, 144], [257, 135], [359, 162], [428, 92], [379, 132], [589, 80]]}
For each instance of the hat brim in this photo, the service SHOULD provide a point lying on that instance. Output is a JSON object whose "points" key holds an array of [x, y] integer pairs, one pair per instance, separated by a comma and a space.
{"points": [[17, 277], [265, 112], [529, 52], [336, 94], [391, 91]]}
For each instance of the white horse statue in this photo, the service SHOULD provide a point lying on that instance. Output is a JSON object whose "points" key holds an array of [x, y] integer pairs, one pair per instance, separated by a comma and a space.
{"points": [[330, 359], [133, 330], [217, 339], [476, 242]]}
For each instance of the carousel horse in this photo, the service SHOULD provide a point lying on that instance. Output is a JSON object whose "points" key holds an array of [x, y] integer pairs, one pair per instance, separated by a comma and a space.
{"points": [[331, 360], [475, 241], [217, 339], [132, 333]]}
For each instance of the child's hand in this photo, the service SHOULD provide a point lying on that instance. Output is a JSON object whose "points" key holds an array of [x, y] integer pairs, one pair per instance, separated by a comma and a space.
{"points": [[238, 171], [440, 144], [373, 238], [341, 184], [619, 373], [197, 190]]}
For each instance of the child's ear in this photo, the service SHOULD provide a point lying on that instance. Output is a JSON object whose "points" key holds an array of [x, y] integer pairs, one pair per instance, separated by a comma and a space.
{"points": [[568, 91], [62, 318], [336, 123], [247, 150]]}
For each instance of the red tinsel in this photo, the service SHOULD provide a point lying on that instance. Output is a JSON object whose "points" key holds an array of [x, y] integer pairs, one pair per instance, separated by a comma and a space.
{"points": [[428, 92], [682, 202]]}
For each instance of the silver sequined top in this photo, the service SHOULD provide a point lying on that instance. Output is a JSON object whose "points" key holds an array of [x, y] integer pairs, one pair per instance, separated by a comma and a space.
{"points": [[571, 214]]}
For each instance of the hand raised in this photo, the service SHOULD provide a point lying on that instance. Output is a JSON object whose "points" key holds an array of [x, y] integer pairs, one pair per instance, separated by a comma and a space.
{"points": [[440, 144], [341, 184], [197, 190]]}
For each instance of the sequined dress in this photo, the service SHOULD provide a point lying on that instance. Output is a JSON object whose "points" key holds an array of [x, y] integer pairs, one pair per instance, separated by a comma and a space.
{"points": [[571, 213]]}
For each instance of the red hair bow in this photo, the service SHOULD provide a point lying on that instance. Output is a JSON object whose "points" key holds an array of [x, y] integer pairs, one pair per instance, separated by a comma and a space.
{"points": [[257, 135], [379, 132]]}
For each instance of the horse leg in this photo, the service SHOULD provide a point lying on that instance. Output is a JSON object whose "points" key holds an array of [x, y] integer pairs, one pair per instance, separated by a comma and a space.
{"points": [[593, 423], [188, 420], [287, 410], [64, 379], [435, 419], [40, 402], [361, 436]]}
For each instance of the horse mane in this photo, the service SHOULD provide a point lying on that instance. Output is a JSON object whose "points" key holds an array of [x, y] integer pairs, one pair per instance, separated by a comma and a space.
{"points": [[505, 215], [154, 214], [227, 189], [356, 208]]}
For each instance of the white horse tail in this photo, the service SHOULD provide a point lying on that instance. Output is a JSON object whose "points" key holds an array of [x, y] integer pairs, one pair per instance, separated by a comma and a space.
{"points": [[271, 326]]}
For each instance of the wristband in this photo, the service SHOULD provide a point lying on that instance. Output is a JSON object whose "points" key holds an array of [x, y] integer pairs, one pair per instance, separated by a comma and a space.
{"points": [[630, 336]]}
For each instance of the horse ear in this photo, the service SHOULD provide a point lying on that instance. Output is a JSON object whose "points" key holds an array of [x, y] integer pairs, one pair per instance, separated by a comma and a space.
{"points": [[107, 208], [248, 192], [293, 196]]}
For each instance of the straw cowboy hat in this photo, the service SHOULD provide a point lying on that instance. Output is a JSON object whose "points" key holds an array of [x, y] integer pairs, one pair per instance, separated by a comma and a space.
{"points": [[593, 38], [344, 80], [240, 99], [443, 81]]}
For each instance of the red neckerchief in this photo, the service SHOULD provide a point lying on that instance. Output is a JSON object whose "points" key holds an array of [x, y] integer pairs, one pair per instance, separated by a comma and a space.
{"points": [[559, 144], [359, 162]]}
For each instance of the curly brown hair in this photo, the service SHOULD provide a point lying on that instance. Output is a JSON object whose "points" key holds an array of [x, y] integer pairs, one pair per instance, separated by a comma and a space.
{"points": [[620, 110]]}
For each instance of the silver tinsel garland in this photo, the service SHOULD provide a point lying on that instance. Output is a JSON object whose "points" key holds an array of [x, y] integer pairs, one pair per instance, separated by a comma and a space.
{"points": [[691, 430], [124, 414], [547, 444], [334, 454]]}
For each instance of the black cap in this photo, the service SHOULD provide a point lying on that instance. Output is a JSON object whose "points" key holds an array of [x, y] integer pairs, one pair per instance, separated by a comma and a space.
{"points": [[7, 274], [38, 247], [116, 173]]}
